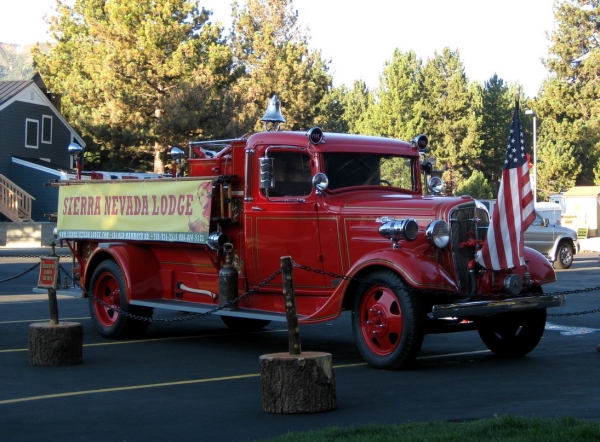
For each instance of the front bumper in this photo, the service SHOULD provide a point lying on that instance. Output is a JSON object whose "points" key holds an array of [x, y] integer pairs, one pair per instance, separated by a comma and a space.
{"points": [[481, 308]]}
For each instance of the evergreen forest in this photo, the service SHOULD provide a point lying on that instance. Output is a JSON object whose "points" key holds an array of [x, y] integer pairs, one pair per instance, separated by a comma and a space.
{"points": [[137, 77]]}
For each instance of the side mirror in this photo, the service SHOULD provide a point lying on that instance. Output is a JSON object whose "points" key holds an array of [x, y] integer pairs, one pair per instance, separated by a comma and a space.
{"points": [[546, 222], [435, 185], [427, 167]]}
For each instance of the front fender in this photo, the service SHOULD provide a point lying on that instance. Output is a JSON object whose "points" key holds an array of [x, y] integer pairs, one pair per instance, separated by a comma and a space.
{"points": [[139, 266], [418, 272], [540, 268]]}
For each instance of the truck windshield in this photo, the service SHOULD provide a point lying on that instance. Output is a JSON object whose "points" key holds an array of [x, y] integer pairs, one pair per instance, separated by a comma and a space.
{"points": [[360, 169]]}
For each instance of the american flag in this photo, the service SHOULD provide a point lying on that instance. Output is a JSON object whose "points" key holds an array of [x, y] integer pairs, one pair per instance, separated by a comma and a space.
{"points": [[503, 247]]}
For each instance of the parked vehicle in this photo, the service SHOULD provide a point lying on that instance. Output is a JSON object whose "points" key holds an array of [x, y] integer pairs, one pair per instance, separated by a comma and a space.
{"points": [[551, 211], [546, 235], [351, 212], [559, 244]]}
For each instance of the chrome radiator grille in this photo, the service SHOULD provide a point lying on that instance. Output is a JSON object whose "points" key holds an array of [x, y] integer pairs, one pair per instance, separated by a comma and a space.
{"points": [[466, 220]]}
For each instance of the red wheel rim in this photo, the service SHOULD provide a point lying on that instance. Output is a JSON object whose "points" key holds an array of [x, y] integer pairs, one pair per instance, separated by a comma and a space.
{"points": [[107, 290], [381, 320]]}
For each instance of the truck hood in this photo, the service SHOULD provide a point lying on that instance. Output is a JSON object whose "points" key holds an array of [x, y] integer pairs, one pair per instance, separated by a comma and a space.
{"points": [[392, 204]]}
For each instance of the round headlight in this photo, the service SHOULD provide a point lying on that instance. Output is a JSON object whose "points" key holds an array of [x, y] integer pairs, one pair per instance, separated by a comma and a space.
{"points": [[438, 234]]}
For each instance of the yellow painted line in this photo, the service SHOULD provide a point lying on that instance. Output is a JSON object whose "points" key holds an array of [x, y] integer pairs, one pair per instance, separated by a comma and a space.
{"points": [[132, 387], [143, 341], [179, 337], [40, 320], [454, 354], [177, 383], [31, 298], [139, 387]]}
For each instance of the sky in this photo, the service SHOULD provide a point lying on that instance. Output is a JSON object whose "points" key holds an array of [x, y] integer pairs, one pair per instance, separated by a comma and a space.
{"points": [[503, 37]]}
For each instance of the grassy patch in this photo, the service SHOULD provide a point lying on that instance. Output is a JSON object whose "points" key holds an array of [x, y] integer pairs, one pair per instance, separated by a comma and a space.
{"points": [[501, 429]]}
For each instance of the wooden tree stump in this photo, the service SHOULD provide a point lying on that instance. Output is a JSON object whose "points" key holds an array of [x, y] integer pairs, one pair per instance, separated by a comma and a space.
{"points": [[56, 344], [302, 383]]}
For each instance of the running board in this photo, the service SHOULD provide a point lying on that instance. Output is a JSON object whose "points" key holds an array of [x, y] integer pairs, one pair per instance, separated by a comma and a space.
{"points": [[479, 308], [194, 307]]}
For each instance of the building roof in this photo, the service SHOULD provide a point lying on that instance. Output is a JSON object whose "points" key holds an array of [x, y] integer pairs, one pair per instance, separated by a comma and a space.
{"points": [[583, 191], [9, 89]]}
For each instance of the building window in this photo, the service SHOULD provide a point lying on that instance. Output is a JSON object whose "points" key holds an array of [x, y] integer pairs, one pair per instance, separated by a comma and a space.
{"points": [[46, 129], [31, 133]]}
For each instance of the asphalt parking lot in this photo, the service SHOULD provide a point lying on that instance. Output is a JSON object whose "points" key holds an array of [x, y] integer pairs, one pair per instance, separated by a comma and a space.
{"points": [[197, 380]]}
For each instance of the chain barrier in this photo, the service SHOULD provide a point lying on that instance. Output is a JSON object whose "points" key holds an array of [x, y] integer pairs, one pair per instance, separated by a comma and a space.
{"points": [[269, 279], [33, 256], [20, 274], [441, 292], [179, 319]]}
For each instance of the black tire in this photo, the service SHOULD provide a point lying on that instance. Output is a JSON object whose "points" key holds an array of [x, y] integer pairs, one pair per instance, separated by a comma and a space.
{"points": [[564, 255], [108, 285], [244, 324], [512, 335], [388, 322]]}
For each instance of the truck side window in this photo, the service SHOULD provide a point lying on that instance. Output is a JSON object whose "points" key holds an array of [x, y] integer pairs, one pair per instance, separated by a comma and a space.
{"points": [[292, 174]]}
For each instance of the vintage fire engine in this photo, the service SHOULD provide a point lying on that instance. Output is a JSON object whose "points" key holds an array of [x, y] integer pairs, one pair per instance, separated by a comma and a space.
{"points": [[350, 210]]}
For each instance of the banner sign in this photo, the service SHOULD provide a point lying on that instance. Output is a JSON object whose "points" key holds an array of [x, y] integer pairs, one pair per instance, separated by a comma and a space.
{"points": [[154, 210]]}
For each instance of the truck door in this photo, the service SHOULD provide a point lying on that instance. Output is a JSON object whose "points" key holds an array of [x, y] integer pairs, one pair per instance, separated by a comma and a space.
{"points": [[282, 221]]}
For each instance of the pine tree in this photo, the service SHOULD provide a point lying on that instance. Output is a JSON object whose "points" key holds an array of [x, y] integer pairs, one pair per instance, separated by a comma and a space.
{"points": [[272, 49], [496, 113], [476, 186], [451, 121], [569, 105], [117, 62], [395, 111]]}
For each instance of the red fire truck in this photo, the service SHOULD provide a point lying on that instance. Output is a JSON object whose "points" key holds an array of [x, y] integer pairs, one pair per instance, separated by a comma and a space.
{"points": [[352, 213]]}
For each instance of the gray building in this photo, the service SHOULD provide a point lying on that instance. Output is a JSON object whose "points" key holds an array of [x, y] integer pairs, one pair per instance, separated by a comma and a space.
{"points": [[33, 150]]}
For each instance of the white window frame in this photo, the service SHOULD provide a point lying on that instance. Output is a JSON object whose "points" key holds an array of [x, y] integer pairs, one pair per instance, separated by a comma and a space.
{"points": [[44, 118], [37, 138]]}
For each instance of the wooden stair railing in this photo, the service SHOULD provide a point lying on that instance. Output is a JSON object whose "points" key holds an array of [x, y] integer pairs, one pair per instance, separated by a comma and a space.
{"points": [[15, 203]]}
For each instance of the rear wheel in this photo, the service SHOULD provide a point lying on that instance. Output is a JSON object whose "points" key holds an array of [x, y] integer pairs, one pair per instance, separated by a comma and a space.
{"points": [[244, 324], [387, 322], [564, 255], [513, 334], [109, 302]]}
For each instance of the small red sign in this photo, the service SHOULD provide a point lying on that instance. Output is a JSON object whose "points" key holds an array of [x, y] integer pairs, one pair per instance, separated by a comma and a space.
{"points": [[48, 272]]}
